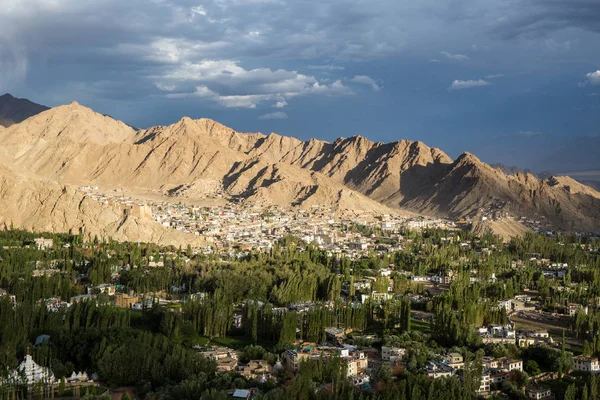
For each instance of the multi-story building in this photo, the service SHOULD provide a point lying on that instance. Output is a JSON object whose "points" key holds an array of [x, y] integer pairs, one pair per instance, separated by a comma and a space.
{"points": [[392, 354], [506, 304], [454, 361], [490, 363], [498, 376], [586, 364], [124, 300], [510, 364], [484, 383], [293, 358], [355, 366]]}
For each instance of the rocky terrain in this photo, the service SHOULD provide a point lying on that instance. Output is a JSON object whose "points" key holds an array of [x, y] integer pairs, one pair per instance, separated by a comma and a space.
{"points": [[74, 145], [47, 206]]}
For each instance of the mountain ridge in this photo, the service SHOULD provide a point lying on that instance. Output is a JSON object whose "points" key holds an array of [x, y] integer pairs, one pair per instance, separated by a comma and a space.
{"points": [[74, 144], [14, 110]]}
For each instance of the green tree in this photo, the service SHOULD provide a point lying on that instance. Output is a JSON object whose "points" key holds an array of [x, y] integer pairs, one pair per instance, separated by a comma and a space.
{"points": [[532, 367], [61, 386]]}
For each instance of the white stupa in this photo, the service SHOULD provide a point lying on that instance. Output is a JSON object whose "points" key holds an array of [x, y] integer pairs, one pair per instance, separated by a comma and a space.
{"points": [[29, 373]]}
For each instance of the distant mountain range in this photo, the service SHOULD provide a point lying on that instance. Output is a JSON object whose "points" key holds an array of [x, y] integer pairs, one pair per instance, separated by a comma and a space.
{"points": [[13, 110], [73, 145], [589, 177]]}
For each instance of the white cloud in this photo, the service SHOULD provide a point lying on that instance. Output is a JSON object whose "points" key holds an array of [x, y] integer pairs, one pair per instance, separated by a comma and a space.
{"points": [[165, 88], [493, 76], [366, 80], [242, 101], [173, 50], [230, 85], [199, 91], [142, 43], [274, 115], [594, 77], [199, 10], [337, 88], [434, 60], [457, 57], [458, 84]]}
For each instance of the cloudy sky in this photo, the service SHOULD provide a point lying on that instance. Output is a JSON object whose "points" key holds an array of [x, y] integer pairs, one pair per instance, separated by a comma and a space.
{"points": [[461, 75]]}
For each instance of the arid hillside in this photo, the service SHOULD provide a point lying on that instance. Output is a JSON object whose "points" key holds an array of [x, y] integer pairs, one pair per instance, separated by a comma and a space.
{"points": [[74, 145], [47, 206]]}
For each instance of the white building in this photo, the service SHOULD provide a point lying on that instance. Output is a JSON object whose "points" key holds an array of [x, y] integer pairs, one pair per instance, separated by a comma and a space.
{"points": [[30, 373], [355, 366], [43, 244], [102, 288], [586, 364], [435, 369], [538, 393], [78, 377], [485, 383], [385, 272], [506, 304], [392, 354], [511, 365], [454, 361]]}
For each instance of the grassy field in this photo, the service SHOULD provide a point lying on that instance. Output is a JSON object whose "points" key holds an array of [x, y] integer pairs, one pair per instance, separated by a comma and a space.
{"points": [[420, 326], [554, 326], [416, 325]]}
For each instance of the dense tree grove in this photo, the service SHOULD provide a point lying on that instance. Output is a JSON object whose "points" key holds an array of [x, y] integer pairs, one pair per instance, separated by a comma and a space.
{"points": [[153, 349]]}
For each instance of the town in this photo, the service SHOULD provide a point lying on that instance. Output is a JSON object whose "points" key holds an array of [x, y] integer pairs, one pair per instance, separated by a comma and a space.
{"points": [[249, 227], [228, 226], [497, 318]]}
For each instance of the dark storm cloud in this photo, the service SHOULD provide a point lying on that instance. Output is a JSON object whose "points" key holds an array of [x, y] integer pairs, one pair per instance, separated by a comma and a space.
{"points": [[536, 18], [162, 41], [331, 65]]}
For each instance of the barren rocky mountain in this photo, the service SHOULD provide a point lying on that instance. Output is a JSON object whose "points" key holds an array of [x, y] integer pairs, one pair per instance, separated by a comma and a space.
{"points": [[468, 185], [74, 145], [13, 110], [42, 205]]}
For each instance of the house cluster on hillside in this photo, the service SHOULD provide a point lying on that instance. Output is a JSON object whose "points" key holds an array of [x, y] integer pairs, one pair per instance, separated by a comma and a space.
{"points": [[259, 227]]}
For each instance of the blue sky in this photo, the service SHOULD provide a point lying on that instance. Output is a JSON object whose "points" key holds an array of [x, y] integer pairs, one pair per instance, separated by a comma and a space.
{"points": [[503, 79]]}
